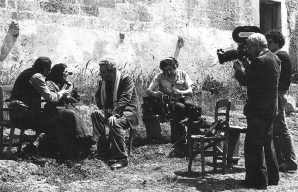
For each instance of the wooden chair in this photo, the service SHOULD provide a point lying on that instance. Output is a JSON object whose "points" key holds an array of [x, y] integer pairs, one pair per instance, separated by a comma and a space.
{"points": [[130, 140], [5, 122], [154, 114], [222, 108]]}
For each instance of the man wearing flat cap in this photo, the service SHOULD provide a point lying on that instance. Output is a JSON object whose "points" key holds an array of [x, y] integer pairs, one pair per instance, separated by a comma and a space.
{"points": [[117, 104]]}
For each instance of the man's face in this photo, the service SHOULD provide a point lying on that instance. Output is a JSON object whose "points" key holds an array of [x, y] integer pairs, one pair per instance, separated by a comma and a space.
{"points": [[253, 49], [65, 74], [169, 71], [106, 74], [272, 46]]}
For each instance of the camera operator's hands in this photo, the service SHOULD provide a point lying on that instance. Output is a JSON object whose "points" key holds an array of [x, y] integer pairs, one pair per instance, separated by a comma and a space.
{"points": [[177, 93], [237, 66]]}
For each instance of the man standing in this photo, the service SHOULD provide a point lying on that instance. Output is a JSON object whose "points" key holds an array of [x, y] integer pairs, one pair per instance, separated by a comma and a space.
{"points": [[117, 102], [285, 151], [261, 78]]}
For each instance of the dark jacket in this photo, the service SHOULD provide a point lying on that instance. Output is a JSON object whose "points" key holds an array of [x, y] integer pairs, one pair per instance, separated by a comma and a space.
{"points": [[286, 71], [127, 100], [261, 78], [25, 92]]}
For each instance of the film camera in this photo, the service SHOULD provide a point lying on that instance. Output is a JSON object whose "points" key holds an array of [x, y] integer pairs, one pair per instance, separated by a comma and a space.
{"points": [[240, 34]]}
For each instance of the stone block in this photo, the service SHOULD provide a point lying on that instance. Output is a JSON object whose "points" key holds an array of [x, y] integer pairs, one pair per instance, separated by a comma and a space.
{"points": [[72, 21], [55, 6], [24, 5], [90, 11], [106, 3], [2, 3], [144, 13], [44, 18], [11, 4], [22, 16], [91, 3], [5, 16]]}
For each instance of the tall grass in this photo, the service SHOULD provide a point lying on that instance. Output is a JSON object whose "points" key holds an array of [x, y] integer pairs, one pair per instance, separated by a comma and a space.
{"points": [[86, 80]]}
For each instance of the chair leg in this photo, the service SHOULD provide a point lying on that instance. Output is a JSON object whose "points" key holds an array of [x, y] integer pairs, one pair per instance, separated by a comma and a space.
{"points": [[202, 155], [21, 140], [11, 136], [130, 141], [224, 158], [191, 143], [215, 156], [1, 141]]}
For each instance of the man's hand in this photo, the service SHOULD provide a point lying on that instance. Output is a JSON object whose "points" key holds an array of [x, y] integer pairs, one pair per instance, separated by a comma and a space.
{"points": [[177, 93], [65, 92], [111, 121], [236, 66]]}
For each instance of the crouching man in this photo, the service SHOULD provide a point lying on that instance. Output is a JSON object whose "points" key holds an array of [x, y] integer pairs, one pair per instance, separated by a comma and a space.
{"points": [[117, 102]]}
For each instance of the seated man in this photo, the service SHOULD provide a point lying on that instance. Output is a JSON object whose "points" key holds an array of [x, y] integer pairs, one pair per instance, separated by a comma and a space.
{"points": [[177, 84], [25, 100], [117, 102]]}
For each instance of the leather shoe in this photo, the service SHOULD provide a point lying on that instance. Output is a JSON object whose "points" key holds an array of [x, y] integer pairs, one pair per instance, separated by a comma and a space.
{"points": [[246, 184], [119, 164], [286, 168], [272, 183]]}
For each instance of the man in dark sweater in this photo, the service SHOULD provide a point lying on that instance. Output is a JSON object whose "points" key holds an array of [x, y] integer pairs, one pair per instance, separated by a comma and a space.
{"points": [[25, 100], [283, 143], [261, 79]]}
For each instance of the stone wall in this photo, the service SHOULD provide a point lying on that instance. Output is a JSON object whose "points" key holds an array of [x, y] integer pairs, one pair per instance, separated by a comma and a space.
{"points": [[83, 31], [292, 18]]}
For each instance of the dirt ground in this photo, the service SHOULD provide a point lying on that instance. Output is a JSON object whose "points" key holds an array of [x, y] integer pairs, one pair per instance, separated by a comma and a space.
{"points": [[151, 168]]}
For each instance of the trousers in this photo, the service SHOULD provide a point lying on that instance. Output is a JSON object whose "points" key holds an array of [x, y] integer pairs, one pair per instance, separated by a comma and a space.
{"points": [[283, 143], [259, 153], [115, 141], [180, 111]]}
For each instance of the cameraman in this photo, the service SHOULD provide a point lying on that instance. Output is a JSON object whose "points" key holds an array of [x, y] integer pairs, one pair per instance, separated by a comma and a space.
{"points": [[261, 78], [284, 148]]}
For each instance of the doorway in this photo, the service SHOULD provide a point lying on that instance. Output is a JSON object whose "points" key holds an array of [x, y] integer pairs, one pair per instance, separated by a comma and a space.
{"points": [[270, 15]]}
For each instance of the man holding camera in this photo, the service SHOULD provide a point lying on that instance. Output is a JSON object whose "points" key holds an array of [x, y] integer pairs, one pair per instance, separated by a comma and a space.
{"points": [[285, 151], [261, 78]]}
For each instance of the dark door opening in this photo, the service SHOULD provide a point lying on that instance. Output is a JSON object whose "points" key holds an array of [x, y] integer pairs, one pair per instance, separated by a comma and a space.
{"points": [[270, 15]]}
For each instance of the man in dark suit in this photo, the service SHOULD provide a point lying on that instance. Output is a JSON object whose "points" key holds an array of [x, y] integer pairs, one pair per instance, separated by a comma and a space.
{"points": [[261, 78]]}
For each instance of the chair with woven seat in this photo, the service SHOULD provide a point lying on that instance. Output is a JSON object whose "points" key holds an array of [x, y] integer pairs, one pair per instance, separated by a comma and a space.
{"points": [[5, 122], [211, 145]]}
